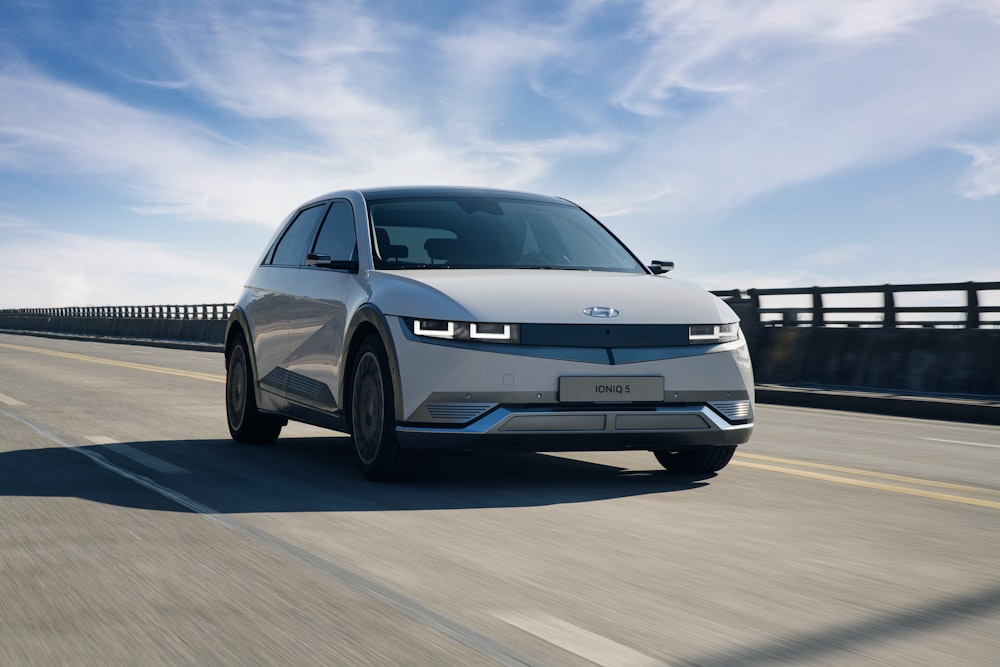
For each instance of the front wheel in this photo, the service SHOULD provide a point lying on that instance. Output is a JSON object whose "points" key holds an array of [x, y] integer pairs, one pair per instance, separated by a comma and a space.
{"points": [[246, 423], [707, 459], [373, 423]]}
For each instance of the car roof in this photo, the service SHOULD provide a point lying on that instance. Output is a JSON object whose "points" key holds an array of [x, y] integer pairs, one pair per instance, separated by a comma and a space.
{"points": [[432, 191]]}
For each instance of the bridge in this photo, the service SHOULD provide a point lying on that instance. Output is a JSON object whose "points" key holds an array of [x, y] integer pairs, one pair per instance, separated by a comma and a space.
{"points": [[925, 350], [134, 529]]}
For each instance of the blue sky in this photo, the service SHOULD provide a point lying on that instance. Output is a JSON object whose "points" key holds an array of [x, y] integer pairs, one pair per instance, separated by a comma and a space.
{"points": [[148, 150]]}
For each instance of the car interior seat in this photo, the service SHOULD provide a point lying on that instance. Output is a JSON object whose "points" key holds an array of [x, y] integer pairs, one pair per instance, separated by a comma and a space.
{"points": [[386, 250]]}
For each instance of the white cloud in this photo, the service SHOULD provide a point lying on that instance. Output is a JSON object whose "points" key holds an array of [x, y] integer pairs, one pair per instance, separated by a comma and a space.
{"points": [[346, 99], [52, 269], [715, 46], [174, 167], [657, 113], [335, 109], [375, 112], [170, 164], [794, 100], [983, 177]]}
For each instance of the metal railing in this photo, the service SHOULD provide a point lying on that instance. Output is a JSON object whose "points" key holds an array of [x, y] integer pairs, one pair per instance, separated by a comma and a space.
{"points": [[211, 311], [973, 305]]}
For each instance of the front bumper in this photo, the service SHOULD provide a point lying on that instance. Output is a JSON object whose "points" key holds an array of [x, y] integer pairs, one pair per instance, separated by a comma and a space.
{"points": [[562, 429], [458, 396]]}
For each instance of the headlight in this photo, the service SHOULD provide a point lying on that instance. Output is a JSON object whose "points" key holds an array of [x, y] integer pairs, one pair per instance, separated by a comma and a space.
{"points": [[434, 328], [486, 332], [706, 334]]}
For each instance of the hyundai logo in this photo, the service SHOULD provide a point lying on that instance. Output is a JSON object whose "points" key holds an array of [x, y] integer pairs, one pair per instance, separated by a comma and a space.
{"points": [[602, 311]]}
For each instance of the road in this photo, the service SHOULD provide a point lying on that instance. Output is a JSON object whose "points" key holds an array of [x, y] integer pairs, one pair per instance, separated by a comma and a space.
{"points": [[134, 531]]}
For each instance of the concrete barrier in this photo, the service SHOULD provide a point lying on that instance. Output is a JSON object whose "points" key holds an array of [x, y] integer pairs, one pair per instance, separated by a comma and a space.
{"points": [[190, 333], [981, 410], [941, 361]]}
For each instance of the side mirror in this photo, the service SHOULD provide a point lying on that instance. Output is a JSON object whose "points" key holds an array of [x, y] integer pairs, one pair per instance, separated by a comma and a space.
{"points": [[658, 266], [323, 261]]}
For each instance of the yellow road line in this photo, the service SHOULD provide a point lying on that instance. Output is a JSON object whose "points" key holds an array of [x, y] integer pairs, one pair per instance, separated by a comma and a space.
{"points": [[923, 493], [122, 364], [871, 473]]}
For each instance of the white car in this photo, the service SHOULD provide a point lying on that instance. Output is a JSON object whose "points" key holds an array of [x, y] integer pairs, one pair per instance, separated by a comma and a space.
{"points": [[426, 318]]}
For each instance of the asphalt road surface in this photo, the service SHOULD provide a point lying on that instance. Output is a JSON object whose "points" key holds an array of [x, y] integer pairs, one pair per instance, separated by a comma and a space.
{"points": [[133, 531]]}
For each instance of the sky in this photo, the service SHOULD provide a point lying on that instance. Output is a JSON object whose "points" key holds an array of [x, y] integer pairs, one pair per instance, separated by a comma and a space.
{"points": [[149, 150]]}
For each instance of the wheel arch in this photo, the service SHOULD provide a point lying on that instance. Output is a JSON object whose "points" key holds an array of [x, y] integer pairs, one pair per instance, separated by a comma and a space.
{"points": [[368, 320], [237, 326]]}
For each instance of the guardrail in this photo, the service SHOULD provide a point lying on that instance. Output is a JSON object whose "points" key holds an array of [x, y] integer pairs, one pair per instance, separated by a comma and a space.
{"points": [[211, 311], [970, 305], [202, 326], [941, 338]]}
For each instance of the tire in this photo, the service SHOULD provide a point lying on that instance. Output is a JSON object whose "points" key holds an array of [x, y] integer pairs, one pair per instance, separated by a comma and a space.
{"points": [[246, 423], [708, 459], [373, 422]]}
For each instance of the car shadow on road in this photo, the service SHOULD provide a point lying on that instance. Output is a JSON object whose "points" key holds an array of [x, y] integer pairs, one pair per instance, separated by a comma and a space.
{"points": [[318, 474]]}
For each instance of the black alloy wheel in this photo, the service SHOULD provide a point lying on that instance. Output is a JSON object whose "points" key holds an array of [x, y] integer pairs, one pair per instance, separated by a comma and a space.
{"points": [[373, 423], [246, 423]]}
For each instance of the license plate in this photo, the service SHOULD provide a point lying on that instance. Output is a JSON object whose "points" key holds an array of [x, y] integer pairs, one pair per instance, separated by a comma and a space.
{"points": [[599, 389]]}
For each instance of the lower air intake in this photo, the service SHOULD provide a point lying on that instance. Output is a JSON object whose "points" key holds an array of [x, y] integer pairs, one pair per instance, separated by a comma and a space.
{"points": [[457, 412], [734, 411]]}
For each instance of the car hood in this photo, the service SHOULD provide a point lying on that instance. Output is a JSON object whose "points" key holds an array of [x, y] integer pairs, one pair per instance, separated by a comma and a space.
{"points": [[544, 297]]}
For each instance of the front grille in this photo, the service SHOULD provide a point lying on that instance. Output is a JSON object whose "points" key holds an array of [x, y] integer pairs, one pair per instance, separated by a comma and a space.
{"points": [[734, 411], [604, 335]]}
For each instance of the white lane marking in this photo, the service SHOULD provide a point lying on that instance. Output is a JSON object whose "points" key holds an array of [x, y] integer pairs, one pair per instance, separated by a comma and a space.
{"points": [[138, 456], [584, 643], [7, 400], [962, 442]]}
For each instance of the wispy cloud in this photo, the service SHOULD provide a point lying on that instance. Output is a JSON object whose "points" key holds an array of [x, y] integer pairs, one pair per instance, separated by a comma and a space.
{"points": [[837, 256], [168, 164], [798, 93], [92, 270], [982, 179], [724, 47], [15, 221], [321, 95], [655, 113]]}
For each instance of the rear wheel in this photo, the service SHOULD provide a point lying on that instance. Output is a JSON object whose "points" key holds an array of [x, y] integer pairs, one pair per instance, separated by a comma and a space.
{"points": [[246, 423], [708, 459], [373, 423]]}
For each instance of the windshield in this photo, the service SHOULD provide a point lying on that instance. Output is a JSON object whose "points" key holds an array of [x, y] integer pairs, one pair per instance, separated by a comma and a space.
{"points": [[491, 233]]}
